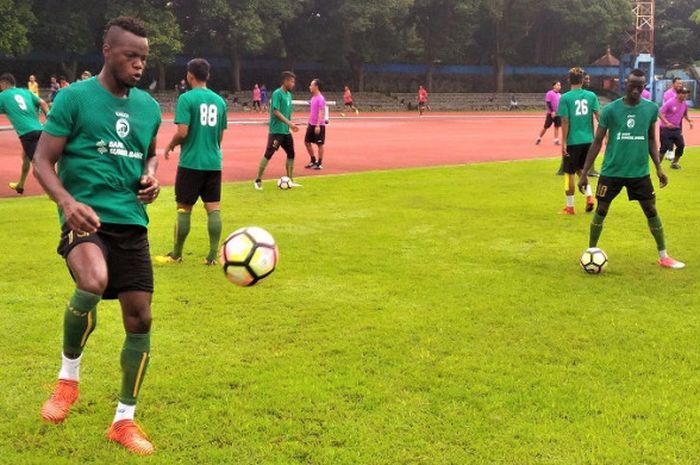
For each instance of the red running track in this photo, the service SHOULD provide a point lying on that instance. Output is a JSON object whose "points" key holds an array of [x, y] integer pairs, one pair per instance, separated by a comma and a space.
{"points": [[368, 142]]}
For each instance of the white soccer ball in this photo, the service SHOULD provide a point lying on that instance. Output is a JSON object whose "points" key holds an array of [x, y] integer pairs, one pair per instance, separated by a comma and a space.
{"points": [[670, 155], [594, 260], [249, 255], [284, 183]]}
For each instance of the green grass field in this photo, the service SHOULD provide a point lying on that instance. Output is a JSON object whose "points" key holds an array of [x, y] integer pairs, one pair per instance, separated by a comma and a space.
{"points": [[429, 316]]}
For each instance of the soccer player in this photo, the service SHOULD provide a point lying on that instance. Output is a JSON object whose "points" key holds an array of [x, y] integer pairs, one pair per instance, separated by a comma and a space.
{"points": [[576, 110], [101, 134], [33, 86], [20, 106], [672, 92], [422, 100], [256, 98], [348, 102], [551, 100], [200, 116], [672, 114], [280, 126], [631, 121], [316, 128]]}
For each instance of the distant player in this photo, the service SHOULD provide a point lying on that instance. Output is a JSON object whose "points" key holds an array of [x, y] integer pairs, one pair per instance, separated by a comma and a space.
{"points": [[201, 120], [551, 101], [672, 114], [316, 129], [21, 106], [256, 98], [33, 86], [422, 100], [348, 101], [576, 110], [631, 122], [280, 126], [101, 137], [672, 92]]}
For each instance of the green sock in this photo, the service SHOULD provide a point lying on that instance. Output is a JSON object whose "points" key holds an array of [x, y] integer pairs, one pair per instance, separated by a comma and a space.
{"points": [[290, 168], [134, 361], [79, 320], [596, 229], [214, 227], [182, 229], [262, 166], [26, 164], [657, 230]]}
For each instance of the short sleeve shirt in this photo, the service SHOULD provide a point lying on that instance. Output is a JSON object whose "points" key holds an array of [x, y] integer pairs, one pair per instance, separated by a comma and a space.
{"points": [[318, 103], [578, 106], [627, 152], [204, 113], [282, 102], [20, 106], [107, 141]]}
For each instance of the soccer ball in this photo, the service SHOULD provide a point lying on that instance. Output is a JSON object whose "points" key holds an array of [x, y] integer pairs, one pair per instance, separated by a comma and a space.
{"points": [[594, 260], [249, 255], [284, 183]]}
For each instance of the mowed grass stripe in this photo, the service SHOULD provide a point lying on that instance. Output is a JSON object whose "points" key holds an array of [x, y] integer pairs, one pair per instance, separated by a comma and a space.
{"points": [[428, 316]]}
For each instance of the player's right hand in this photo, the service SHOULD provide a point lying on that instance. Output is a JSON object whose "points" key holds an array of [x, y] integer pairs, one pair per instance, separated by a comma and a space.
{"points": [[80, 217], [663, 179], [564, 150], [583, 183], [293, 127]]}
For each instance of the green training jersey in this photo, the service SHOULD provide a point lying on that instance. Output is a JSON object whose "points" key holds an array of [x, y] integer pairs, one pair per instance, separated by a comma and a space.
{"points": [[20, 106], [107, 140], [578, 106], [282, 102], [204, 113], [627, 153]]}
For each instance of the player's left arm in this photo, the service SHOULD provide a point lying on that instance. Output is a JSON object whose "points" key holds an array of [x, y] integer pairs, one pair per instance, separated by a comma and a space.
{"points": [[655, 157], [687, 118], [564, 135], [150, 187], [178, 138]]}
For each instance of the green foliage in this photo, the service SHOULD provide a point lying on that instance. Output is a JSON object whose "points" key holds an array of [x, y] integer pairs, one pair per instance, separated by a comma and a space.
{"points": [[17, 21], [432, 316], [677, 29]]}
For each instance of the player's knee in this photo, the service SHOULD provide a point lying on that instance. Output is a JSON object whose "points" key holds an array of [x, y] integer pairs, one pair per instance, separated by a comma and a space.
{"points": [[138, 319], [290, 155], [268, 154], [601, 210], [93, 281]]}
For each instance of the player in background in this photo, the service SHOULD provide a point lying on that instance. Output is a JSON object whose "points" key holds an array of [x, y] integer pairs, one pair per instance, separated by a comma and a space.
{"points": [[101, 137], [577, 109], [672, 114], [422, 100], [551, 100], [280, 126], [33, 86], [316, 128], [200, 116], [54, 87], [256, 98], [21, 107], [263, 98], [348, 101], [631, 121], [672, 92]]}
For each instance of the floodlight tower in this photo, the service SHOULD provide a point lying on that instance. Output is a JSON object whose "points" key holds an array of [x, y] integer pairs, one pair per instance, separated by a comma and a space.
{"points": [[640, 41]]}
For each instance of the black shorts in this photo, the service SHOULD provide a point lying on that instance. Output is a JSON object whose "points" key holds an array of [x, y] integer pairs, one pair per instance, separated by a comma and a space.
{"points": [[313, 138], [349, 104], [576, 159], [422, 104], [126, 250], [549, 121], [637, 188], [671, 137], [29, 142], [275, 141], [192, 184]]}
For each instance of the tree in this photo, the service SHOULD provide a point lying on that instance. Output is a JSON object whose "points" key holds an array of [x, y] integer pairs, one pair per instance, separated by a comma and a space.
{"points": [[67, 31], [17, 20], [677, 29]]}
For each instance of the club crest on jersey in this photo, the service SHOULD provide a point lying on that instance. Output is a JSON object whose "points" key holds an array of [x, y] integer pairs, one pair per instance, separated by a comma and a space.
{"points": [[123, 127], [630, 122]]}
